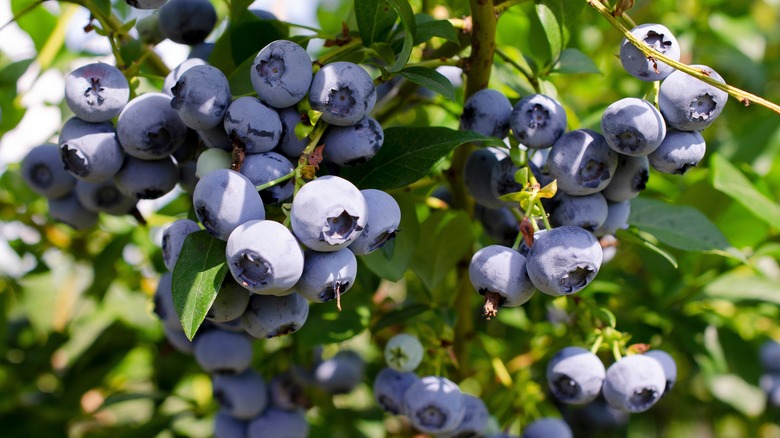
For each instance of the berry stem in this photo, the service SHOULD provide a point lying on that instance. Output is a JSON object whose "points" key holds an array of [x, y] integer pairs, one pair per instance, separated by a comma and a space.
{"points": [[596, 345], [276, 181], [306, 168], [741, 95], [506, 4], [616, 350]]}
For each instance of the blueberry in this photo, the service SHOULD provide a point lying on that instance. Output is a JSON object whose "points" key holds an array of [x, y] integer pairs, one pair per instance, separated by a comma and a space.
{"points": [[403, 352], [93, 157], [500, 224], [68, 210], [163, 303], [389, 389], [499, 274], [668, 365], [148, 28], [633, 126], [212, 159], [201, 51], [262, 14], [487, 112], [547, 428], [341, 373], [355, 144], [343, 92], [279, 423], [225, 199], [434, 405], [640, 66], [475, 419], [175, 74], [770, 384], [96, 92], [629, 179], [233, 325], [242, 396], [588, 212], [384, 217], [679, 152], [502, 180], [689, 104], [187, 21], [326, 275], [42, 170], [146, 4], [281, 73], [149, 129], [264, 257], [178, 340], [173, 239], [634, 383], [142, 179], [617, 219], [582, 162], [290, 145], [564, 260], [74, 127], [187, 177], [537, 121], [230, 303], [270, 316], [216, 138], [575, 375], [226, 426], [104, 197], [769, 355], [256, 126], [286, 390], [266, 167], [223, 352], [201, 96], [328, 214], [477, 176]]}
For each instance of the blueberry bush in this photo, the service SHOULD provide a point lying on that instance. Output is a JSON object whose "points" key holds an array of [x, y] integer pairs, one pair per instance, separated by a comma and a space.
{"points": [[444, 218]]}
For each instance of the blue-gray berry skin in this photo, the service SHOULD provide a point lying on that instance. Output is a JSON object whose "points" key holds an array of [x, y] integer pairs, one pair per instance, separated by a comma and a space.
{"points": [[226, 426], [176, 72], [668, 365], [149, 129], [105, 197], [290, 145], [223, 352], [487, 112], [93, 157], [281, 73], [201, 96], [389, 389], [201, 51], [477, 176], [634, 383], [343, 92], [242, 396], [434, 405], [42, 170], [355, 144], [68, 210], [173, 238], [230, 303], [501, 270], [146, 4], [142, 179], [96, 92], [74, 127], [187, 21], [629, 180], [564, 260], [341, 373], [588, 212], [500, 224], [633, 126], [770, 384], [148, 29], [689, 104], [269, 316], [769, 356], [475, 419], [679, 152], [547, 428], [264, 257], [225, 199], [187, 177], [253, 124], [216, 138], [537, 121], [502, 180], [266, 167], [262, 14], [637, 64], [617, 219], [279, 423], [326, 275], [178, 340], [328, 214], [163, 303], [575, 375], [384, 218], [582, 162]]}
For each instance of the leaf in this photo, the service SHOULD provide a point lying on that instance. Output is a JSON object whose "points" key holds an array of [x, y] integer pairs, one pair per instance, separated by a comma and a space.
{"points": [[197, 277], [428, 28], [574, 61], [400, 315], [327, 325], [38, 22], [743, 285], [375, 19], [739, 394], [238, 6], [408, 154], [728, 179], [243, 39], [393, 266], [240, 80], [639, 238], [550, 13], [404, 10], [445, 237], [431, 79]]}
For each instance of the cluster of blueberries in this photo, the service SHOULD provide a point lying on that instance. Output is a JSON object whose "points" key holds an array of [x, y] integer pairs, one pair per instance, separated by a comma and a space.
{"points": [[597, 174]]}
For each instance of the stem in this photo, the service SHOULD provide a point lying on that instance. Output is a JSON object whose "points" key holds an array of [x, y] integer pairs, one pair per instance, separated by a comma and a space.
{"points": [[616, 350], [272, 183], [506, 4], [304, 160], [546, 221], [433, 63], [528, 75], [596, 345], [341, 49], [743, 96]]}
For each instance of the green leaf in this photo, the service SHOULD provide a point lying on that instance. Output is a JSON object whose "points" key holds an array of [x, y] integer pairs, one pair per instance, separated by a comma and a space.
{"points": [[404, 10], [393, 266], [197, 277], [375, 19], [237, 7], [240, 80], [408, 154], [445, 237], [431, 79], [327, 325], [550, 13], [729, 180], [739, 394], [399, 316], [641, 238], [742, 285], [38, 22], [428, 28], [573, 61]]}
